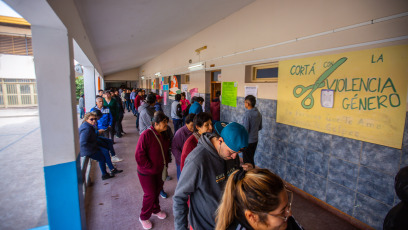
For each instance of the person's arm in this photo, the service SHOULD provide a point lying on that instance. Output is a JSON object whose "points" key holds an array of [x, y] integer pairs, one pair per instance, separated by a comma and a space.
{"points": [[186, 186], [142, 153], [260, 124], [187, 148], [110, 118], [245, 122]]}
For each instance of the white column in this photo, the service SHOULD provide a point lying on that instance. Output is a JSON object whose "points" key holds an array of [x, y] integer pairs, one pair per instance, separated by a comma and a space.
{"points": [[54, 68], [89, 87]]}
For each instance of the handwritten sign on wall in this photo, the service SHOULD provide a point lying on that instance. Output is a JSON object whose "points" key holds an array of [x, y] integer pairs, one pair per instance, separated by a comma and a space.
{"points": [[369, 94], [229, 93]]}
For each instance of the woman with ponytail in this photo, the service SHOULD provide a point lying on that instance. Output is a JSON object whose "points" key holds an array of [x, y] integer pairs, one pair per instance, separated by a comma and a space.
{"points": [[255, 200]]}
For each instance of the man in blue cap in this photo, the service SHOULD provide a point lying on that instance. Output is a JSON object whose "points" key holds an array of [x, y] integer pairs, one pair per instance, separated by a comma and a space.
{"points": [[205, 173]]}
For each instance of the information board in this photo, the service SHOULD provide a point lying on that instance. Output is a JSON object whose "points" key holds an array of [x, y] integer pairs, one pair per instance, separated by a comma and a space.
{"points": [[369, 94]]}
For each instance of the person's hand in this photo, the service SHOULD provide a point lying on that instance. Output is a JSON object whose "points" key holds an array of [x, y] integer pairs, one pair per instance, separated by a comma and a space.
{"points": [[180, 103], [247, 166], [101, 131]]}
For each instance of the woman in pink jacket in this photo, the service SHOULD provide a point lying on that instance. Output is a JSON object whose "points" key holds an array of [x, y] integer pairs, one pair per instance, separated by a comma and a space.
{"points": [[151, 157]]}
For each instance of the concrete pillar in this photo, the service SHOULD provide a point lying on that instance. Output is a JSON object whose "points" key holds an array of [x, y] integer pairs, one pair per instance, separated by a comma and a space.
{"points": [[89, 87], [54, 68]]}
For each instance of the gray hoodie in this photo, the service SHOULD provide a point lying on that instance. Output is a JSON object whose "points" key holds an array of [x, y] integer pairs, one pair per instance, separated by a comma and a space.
{"points": [[146, 113], [252, 121], [203, 178]]}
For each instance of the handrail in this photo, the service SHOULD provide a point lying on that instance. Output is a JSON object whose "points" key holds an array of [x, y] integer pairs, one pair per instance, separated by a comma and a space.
{"points": [[86, 164]]}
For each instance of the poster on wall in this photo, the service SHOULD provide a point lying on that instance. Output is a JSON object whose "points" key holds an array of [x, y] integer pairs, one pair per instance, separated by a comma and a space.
{"points": [[174, 85], [165, 98], [251, 90], [193, 92], [161, 83], [166, 87], [184, 88], [229, 92], [359, 95]]}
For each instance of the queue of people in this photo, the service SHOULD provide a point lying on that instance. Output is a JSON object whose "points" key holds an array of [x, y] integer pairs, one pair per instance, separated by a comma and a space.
{"points": [[215, 190]]}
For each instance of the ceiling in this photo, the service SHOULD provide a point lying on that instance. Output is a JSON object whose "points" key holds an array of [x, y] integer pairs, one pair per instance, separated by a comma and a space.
{"points": [[128, 33]]}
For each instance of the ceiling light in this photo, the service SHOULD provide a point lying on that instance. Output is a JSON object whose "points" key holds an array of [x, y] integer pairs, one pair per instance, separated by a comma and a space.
{"points": [[196, 66], [158, 74]]}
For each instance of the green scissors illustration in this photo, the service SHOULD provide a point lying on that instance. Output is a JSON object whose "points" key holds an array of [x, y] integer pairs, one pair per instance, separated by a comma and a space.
{"points": [[318, 84]]}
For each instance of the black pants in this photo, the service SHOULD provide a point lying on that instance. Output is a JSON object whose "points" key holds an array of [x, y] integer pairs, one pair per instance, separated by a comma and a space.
{"points": [[118, 125], [249, 153]]}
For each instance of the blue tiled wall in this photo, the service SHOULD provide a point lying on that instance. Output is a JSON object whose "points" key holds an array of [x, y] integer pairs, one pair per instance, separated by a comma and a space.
{"points": [[355, 177]]}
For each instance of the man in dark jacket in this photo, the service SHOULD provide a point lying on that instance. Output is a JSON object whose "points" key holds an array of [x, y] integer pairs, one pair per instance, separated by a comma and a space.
{"points": [[204, 175], [121, 112]]}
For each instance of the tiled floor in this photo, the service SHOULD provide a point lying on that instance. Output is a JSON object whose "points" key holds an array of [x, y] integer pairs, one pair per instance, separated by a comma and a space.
{"points": [[116, 203]]}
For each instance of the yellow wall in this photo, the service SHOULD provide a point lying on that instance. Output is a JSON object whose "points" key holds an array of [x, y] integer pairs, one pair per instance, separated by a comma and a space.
{"points": [[269, 22]]}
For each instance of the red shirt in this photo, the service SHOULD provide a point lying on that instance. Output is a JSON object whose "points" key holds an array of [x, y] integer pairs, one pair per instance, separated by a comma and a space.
{"points": [[138, 101], [189, 145]]}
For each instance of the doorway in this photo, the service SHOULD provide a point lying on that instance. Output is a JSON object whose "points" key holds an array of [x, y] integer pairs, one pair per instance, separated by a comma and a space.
{"points": [[215, 83]]}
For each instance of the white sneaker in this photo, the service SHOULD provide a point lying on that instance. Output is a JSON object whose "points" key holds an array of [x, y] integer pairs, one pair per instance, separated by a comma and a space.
{"points": [[116, 159]]}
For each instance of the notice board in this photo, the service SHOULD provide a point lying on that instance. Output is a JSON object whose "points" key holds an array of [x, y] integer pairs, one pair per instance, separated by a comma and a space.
{"points": [[368, 87], [229, 93]]}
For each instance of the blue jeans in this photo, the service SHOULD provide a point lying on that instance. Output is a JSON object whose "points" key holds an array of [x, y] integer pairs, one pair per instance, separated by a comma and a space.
{"points": [[107, 144], [178, 171], [137, 119], [81, 113], [177, 124], [103, 157], [128, 104]]}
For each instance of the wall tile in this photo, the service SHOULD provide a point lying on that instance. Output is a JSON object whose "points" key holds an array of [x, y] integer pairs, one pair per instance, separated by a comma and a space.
{"points": [[370, 211], [298, 136], [404, 158], [282, 150], [346, 149], [340, 197], [280, 167], [318, 141], [282, 132], [315, 185], [381, 157], [295, 176], [265, 107], [343, 172], [317, 163], [296, 155], [376, 184]]}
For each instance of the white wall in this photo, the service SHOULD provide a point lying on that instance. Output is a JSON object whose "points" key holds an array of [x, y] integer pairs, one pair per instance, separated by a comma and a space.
{"points": [[15, 66]]}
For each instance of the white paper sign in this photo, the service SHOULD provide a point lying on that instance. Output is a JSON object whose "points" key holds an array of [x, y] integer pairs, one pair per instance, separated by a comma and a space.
{"points": [[327, 98], [251, 90], [184, 88], [203, 96]]}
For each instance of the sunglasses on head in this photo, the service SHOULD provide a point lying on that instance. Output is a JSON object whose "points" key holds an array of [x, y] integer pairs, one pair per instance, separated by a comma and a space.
{"points": [[93, 119]]}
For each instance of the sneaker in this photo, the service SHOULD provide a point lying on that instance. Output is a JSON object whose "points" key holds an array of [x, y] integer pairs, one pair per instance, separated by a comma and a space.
{"points": [[116, 171], [116, 159], [161, 215], [163, 194], [107, 176], [123, 132], [118, 136], [168, 178], [146, 224]]}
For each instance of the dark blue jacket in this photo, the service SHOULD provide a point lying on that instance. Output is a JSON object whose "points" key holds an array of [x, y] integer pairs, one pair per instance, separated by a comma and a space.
{"points": [[87, 139], [196, 108], [106, 120]]}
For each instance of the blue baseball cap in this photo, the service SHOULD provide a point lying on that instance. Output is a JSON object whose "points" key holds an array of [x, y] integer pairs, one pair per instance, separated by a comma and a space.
{"points": [[235, 135]]}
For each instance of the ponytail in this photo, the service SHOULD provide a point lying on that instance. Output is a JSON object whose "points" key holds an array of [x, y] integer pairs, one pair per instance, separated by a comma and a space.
{"points": [[226, 212], [256, 190]]}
